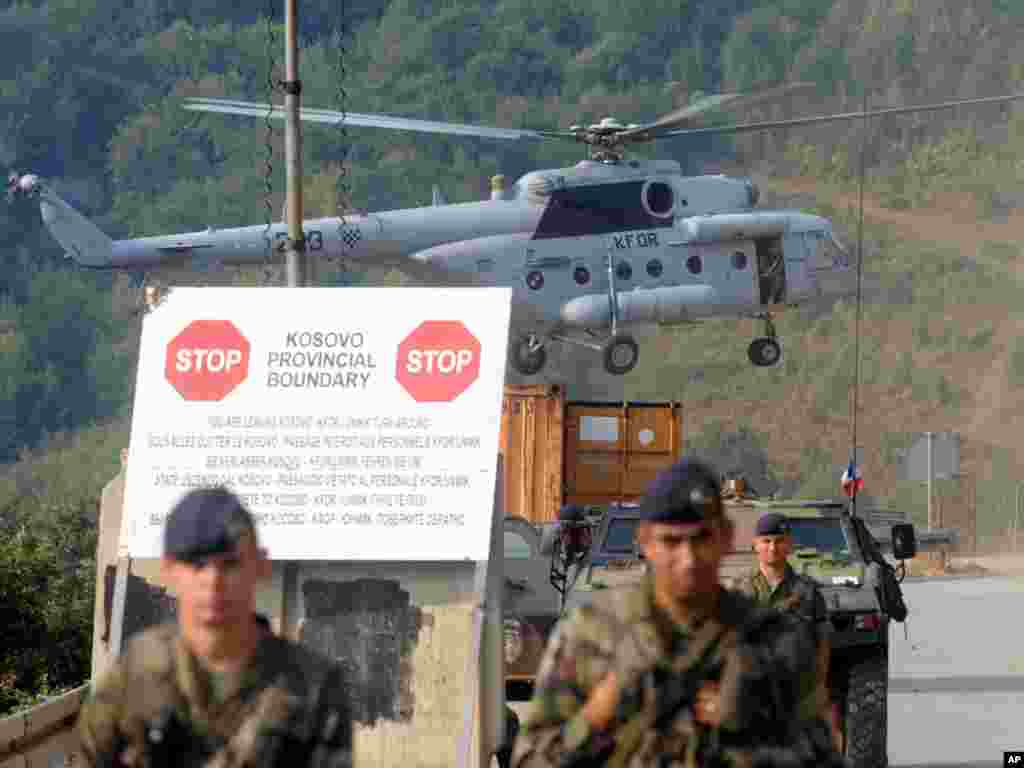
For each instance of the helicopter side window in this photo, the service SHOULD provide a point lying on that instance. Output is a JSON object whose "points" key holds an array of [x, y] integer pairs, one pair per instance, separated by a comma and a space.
{"points": [[654, 268], [581, 275], [659, 198], [693, 264], [623, 271], [535, 280]]}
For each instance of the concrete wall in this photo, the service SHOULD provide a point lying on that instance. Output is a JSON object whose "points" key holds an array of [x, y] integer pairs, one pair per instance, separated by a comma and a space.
{"points": [[43, 736]]}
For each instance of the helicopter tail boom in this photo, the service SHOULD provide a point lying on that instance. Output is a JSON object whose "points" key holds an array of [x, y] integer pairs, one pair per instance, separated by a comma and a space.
{"points": [[388, 238]]}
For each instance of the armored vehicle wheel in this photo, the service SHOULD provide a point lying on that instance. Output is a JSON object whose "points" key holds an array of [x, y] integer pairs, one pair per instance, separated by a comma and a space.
{"points": [[621, 354], [764, 351], [866, 711], [528, 356]]}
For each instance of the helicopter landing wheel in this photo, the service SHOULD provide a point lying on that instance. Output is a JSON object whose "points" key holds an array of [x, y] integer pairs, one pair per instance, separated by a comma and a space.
{"points": [[529, 355], [621, 354], [764, 351]]}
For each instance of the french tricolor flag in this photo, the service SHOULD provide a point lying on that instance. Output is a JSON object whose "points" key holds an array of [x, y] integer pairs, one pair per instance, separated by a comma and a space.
{"points": [[852, 481]]}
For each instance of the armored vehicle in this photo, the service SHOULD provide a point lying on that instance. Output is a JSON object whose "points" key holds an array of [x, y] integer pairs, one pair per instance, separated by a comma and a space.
{"points": [[861, 589]]}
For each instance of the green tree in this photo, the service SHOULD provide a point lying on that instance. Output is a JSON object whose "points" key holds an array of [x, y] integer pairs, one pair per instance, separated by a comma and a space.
{"points": [[47, 590]]}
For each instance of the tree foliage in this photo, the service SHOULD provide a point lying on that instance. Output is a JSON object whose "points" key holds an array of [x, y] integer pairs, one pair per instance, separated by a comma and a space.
{"points": [[47, 586]]}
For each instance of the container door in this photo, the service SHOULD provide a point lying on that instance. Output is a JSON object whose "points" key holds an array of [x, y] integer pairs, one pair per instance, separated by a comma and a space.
{"points": [[652, 435], [531, 444], [613, 453], [595, 448]]}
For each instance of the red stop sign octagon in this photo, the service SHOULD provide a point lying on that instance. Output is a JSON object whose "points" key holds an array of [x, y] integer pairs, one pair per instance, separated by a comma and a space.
{"points": [[438, 361], [207, 360]]}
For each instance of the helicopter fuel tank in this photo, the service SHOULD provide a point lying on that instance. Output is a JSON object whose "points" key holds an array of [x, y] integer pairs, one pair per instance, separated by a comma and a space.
{"points": [[668, 305]]}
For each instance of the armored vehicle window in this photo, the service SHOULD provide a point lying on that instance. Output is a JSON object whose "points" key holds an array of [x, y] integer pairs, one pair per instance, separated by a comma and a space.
{"points": [[623, 271], [659, 198], [819, 534], [693, 264], [516, 547], [739, 260], [535, 280], [621, 535], [581, 275], [654, 268]]}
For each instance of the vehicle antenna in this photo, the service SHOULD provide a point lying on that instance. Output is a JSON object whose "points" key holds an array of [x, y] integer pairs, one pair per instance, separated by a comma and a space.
{"points": [[854, 400]]}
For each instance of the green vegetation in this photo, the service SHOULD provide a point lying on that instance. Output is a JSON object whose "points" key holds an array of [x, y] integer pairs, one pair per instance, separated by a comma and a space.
{"points": [[47, 578]]}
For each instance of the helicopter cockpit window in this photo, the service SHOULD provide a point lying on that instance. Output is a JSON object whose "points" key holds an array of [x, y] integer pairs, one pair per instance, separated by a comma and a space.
{"points": [[535, 280], [659, 198], [693, 264], [654, 268], [581, 275], [623, 271]]}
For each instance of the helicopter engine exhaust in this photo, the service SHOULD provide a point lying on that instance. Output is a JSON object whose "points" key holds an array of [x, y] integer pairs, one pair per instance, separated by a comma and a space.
{"points": [[670, 305]]}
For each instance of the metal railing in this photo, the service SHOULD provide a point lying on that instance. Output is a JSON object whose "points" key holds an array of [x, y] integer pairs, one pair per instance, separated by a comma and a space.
{"points": [[42, 736]]}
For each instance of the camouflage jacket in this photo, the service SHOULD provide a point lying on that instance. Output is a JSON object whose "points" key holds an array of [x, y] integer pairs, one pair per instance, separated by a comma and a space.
{"points": [[157, 707], [759, 658], [795, 593]]}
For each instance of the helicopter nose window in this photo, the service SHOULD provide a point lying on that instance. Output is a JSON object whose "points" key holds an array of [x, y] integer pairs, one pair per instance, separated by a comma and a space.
{"points": [[739, 260], [693, 264], [654, 268], [581, 275], [623, 271], [535, 280], [659, 198]]}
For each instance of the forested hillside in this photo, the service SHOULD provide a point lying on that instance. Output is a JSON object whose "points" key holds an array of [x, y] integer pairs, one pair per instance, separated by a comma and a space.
{"points": [[92, 97]]}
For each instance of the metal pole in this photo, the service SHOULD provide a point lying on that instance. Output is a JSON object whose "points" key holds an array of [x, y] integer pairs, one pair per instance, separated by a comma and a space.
{"points": [[297, 265], [1017, 516], [297, 269], [931, 514]]}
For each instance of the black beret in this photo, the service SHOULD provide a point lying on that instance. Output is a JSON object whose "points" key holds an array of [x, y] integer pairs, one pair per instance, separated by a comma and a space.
{"points": [[205, 522], [687, 492], [772, 524]]}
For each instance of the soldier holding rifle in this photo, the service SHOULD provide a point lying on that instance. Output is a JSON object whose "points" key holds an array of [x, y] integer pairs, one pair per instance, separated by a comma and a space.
{"points": [[675, 669]]}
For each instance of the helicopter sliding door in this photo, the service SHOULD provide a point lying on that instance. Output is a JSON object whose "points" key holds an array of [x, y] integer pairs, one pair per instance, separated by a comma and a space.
{"points": [[771, 270]]}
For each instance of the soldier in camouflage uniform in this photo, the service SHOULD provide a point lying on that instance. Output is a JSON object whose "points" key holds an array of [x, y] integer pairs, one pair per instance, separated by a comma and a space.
{"points": [[674, 669], [773, 582], [216, 688]]}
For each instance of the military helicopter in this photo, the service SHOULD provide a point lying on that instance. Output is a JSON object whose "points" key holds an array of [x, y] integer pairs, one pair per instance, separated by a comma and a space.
{"points": [[608, 244]]}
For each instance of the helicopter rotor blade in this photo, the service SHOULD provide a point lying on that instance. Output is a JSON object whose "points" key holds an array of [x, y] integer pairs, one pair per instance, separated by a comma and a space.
{"points": [[800, 121], [690, 112], [331, 117]]}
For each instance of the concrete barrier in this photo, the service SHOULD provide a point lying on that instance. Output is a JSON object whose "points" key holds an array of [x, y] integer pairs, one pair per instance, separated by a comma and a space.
{"points": [[43, 736]]}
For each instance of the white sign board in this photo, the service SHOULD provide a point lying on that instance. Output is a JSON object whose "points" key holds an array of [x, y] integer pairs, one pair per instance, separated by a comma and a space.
{"points": [[356, 423]]}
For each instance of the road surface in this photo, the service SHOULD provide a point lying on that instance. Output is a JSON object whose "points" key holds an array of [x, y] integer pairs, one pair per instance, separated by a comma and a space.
{"points": [[956, 695]]}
